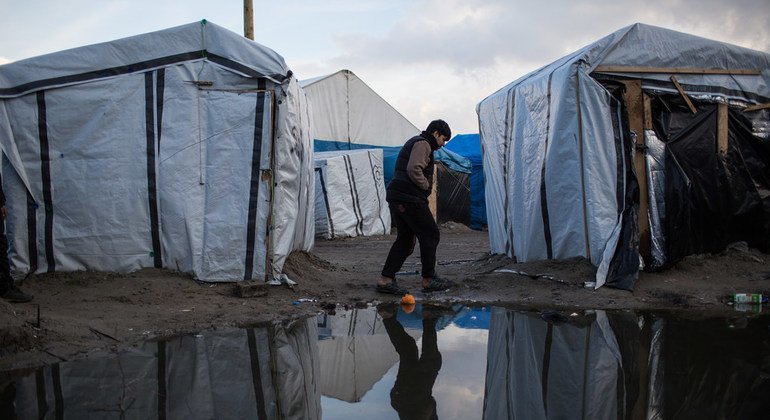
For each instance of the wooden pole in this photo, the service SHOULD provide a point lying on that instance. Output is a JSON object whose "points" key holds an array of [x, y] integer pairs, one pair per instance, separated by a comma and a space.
{"points": [[684, 94], [433, 198], [676, 70], [635, 103], [722, 135], [248, 19]]}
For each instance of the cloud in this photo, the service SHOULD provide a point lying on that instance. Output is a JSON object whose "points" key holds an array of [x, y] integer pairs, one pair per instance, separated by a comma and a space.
{"points": [[475, 34], [4, 60], [443, 56]]}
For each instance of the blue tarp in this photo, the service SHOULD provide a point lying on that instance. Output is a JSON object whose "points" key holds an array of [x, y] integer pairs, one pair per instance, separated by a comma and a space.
{"points": [[469, 146], [449, 158]]}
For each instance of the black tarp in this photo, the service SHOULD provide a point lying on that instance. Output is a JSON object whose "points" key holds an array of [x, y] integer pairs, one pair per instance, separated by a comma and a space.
{"points": [[712, 199], [453, 195]]}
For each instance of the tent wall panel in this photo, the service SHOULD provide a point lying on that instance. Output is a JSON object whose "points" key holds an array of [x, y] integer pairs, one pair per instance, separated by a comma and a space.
{"points": [[350, 194]]}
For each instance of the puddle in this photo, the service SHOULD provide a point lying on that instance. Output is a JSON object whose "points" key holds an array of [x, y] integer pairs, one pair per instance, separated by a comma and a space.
{"points": [[450, 363]]}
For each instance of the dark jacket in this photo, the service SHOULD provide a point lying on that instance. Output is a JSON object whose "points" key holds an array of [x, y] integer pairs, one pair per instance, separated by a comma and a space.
{"points": [[404, 188]]}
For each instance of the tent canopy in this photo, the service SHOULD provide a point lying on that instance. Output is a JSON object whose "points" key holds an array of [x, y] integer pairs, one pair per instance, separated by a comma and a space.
{"points": [[558, 154]]}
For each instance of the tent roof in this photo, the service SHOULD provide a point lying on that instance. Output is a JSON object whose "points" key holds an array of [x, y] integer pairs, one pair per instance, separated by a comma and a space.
{"points": [[641, 45], [193, 41], [346, 109]]}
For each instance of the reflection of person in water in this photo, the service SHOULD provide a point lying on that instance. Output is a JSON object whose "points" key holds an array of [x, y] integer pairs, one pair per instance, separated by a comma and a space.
{"points": [[411, 395]]}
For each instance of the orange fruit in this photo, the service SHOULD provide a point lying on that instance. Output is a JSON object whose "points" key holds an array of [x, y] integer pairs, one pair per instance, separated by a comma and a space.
{"points": [[407, 299]]}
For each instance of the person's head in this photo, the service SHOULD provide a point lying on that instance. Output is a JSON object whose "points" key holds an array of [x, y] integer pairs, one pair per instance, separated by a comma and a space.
{"points": [[440, 130]]}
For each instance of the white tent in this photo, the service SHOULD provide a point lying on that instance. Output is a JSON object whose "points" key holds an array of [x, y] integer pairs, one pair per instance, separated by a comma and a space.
{"points": [[348, 114], [350, 194], [559, 154], [184, 148]]}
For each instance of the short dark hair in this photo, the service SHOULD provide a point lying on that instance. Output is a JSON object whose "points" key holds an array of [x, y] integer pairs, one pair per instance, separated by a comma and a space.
{"points": [[441, 126]]}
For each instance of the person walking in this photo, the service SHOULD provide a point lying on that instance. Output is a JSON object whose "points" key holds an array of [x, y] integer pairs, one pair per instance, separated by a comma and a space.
{"points": [[8, 289], [407, 195]]}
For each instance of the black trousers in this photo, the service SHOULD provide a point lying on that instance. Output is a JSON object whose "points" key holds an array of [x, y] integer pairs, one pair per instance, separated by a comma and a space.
{"points": [[414, 221]]}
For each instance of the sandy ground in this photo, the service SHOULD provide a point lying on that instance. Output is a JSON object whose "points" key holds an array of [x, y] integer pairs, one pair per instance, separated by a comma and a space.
{"points": [[76, 315]]}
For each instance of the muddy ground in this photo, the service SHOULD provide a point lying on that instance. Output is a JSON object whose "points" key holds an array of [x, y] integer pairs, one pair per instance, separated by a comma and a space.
{"points": [[86, 313]]}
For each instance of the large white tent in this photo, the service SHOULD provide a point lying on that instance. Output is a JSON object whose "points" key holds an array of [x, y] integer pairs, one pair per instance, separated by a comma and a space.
{"points": [[563, 178], [187, 148], [348, 114]]}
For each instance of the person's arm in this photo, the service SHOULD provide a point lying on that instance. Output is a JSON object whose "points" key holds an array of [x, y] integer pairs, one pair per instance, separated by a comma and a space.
{"points": [[418, 160]]}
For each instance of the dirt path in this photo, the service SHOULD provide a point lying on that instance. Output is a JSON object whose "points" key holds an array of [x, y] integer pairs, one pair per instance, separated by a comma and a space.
{"points": [[85, 313]]}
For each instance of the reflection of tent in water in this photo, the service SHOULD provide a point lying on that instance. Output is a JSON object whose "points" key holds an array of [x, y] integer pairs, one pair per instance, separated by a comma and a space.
{"points": [[259, 373], [355, 353], [563, 175], [540, 370], [350, 194], [169, 149], [611, 365]]}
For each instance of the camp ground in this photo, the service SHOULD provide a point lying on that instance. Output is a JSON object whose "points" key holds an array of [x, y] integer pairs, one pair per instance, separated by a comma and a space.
{"points": [[647, 143], [172, 149]]}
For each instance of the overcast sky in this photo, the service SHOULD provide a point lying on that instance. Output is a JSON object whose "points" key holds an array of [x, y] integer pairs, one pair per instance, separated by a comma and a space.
{"points": [[428, 58]]}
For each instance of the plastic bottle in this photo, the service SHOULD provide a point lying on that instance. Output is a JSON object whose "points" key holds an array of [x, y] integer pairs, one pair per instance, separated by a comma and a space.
{"points": [[751, 298]]}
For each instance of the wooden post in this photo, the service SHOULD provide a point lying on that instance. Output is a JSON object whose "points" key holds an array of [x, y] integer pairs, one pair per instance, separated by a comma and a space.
{"points": [[638, 120], [248, 19], [684, 94], [722, 136], [433, 199]]}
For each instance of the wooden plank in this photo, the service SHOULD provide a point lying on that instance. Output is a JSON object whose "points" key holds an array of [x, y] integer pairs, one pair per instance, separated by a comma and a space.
{"points": [[756, 107], [675, 70], [684, 94], [633, 98], [433, 198], [647, 103], [722, 125]]}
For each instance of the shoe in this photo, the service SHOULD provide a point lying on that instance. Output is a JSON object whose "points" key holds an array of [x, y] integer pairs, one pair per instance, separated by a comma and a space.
{"points": [[392, 288], [15, 295], [437, 284], [433, 311], [387, 310]]}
